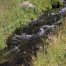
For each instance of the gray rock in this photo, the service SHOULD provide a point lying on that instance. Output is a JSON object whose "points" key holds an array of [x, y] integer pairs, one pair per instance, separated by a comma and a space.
{"points": [[63, 11]]}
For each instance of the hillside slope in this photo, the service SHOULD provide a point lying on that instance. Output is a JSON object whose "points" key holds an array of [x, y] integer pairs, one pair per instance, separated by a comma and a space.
{"points": [[12, 15]]}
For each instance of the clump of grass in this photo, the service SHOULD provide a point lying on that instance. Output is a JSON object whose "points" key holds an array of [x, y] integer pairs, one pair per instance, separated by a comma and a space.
{"points": [[56, 51]]}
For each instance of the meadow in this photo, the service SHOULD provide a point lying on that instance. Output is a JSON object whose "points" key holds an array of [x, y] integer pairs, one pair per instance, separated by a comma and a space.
{"points": [[56, 51], [13, 16]]}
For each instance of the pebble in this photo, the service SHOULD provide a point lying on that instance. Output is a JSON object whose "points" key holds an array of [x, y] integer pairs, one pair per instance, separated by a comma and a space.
{"points": [[27, 5]]}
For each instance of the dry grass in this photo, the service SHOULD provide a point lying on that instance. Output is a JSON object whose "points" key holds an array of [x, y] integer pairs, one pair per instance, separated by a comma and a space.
{"points": [[56, 51]]}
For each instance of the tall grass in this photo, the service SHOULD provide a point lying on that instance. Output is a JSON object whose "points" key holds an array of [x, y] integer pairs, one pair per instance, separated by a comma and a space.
{"points": [[56, 50], [11, 15]]}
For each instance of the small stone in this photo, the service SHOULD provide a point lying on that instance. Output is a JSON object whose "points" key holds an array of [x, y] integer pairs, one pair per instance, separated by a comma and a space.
{"points": [[27, 5]]}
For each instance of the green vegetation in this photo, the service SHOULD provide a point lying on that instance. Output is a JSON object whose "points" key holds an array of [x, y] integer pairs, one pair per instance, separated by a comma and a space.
{"points": [[11, 15], [56, 51]]}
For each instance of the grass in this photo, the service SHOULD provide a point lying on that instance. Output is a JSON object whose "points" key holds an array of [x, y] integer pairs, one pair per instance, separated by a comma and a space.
{"points": [[56, 51], [11, 15]]}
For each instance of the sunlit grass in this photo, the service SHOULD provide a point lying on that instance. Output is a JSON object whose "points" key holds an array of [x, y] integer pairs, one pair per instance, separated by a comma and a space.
{"points": [[11, 15], [56, 51]]}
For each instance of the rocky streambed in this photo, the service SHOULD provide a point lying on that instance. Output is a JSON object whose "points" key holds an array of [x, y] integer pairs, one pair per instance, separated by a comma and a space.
{"points": [[26, 41]]}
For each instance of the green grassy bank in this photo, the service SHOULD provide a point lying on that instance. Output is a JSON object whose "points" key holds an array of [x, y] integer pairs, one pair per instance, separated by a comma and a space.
{"points": [[11, 15]]}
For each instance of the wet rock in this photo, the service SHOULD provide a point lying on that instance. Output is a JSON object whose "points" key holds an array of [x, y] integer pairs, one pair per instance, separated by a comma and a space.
{"points": [[63, 11], [25, 39]]}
